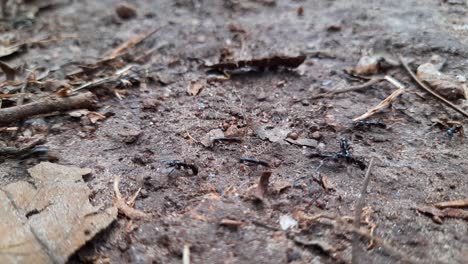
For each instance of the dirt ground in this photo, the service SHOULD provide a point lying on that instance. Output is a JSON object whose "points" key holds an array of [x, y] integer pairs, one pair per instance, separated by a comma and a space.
{"points": [[216, 213]]}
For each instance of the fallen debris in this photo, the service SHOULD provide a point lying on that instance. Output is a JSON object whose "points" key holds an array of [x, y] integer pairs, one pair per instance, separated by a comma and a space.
{"points": [[45, 106], [358, 212], [10, 73], [122, 48], [287, 221], [273, 134], [427, 89], [358, 87], [48, 220], [125, 11], [262, 187], [372, 64], [456, 203], [125, 208], [444, 85], [386, 102], [437, 215], [304, 142], [195, 87], [260, 64], [231, 223]]}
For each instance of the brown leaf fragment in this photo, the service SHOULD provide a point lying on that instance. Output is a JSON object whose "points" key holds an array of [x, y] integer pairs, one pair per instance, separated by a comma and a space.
{"points": [[263, 63], [48, 221], [455, 203], [326, 183], [279, 186], [443, 84], [262, 187], [95, 116], [195, 87]]}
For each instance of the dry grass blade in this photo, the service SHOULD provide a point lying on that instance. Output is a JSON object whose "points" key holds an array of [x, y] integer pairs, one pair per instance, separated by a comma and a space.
{"points": [[386, 102], [350, 89], [358, 213], [130, 43], [429, 90]]}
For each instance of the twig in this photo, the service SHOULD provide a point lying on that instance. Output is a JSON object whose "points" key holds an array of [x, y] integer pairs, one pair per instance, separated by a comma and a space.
{"points": [[386, 102], [358, 213], [456, 203], [350, 89], [122, 206], [45, 106], [429, 90]]}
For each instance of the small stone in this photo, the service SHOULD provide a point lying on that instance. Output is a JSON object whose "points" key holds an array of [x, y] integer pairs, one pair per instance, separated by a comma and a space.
{"points": [[293, 135], [126, 11], [316, 135], [151, 104]]}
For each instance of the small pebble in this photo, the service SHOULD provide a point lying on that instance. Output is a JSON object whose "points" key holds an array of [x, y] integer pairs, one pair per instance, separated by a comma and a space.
{"points": [[126, 11], [293, 135]]}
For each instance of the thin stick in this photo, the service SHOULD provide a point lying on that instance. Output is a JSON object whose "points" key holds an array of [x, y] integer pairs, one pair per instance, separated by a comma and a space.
{"points": [[47, 105], [350, 89], [358, 213], [456, 203], [429, 90], [386, 102]]}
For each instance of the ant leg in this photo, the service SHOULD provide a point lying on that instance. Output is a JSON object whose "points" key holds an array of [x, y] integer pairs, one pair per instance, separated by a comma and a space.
{"points": [[319, 166]]}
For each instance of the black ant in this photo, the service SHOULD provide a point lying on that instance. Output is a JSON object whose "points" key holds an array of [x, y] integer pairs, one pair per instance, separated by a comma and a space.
{"points": [[178, 164], [451, 131], [226, 140], [254, 161], [343, 154], [370, 123]]}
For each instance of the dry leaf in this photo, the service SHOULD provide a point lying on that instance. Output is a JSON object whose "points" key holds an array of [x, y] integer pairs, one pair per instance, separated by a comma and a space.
{"points": [[195, 87], [326, 183], [95, 116], [262, 187], [443, 84], [46, 222], [273, 134]]}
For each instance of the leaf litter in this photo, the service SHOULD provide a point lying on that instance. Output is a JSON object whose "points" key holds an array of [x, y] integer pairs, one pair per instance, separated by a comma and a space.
{"points": [[47, 219]]}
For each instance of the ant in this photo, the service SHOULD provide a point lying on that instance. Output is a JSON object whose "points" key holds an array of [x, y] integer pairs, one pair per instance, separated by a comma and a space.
{"points": [[370, 123], [178, 164], [343, 154], [226, 140], [451, 131], [254, 161]]}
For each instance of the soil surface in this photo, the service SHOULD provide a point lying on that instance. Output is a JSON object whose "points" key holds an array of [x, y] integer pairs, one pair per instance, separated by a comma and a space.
{"points": [[220, 213]]}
